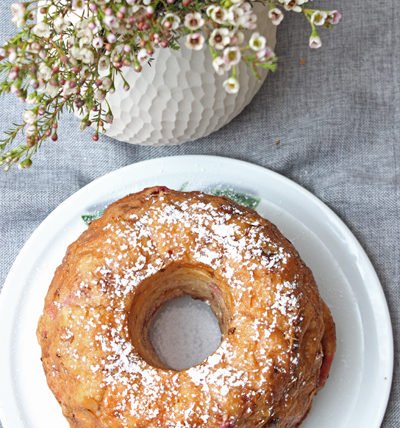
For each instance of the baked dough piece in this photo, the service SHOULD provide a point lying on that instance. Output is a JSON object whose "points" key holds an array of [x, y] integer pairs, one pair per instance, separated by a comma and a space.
{"points": [[278, 336]]}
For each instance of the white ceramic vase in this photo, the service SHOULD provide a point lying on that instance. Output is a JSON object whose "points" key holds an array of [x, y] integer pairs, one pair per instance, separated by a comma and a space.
{"points": [[180, 97]]}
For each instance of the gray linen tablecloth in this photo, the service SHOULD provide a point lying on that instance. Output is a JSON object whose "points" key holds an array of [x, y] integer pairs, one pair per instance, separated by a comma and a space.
{"points": [[336, 114]]}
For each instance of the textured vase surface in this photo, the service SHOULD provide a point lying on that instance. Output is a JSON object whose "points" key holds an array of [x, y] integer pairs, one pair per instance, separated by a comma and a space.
{"points": [[179, 97]]}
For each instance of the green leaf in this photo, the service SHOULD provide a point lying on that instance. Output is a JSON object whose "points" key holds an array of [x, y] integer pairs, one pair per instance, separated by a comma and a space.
{"points": [[244, 199], [184, 186], [268, 66], [88, 218], [173, 44]]}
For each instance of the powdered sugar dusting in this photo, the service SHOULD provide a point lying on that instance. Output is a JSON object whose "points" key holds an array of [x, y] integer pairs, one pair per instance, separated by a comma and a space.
{"points": [[234, 243]]}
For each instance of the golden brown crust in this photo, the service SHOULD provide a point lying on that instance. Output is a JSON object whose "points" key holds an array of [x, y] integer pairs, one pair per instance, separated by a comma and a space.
{"points": [[276, 350]]}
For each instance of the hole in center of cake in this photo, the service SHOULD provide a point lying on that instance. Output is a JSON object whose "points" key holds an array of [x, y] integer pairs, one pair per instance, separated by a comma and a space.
{"points": [[178, 317], [184, 332]]}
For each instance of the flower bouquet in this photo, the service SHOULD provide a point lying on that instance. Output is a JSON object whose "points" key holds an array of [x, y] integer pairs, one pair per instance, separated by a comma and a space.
{"points": [[68, 54]]}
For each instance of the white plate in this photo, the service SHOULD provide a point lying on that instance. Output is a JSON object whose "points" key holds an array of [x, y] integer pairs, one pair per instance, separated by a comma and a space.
{"points": [[357, 392]]}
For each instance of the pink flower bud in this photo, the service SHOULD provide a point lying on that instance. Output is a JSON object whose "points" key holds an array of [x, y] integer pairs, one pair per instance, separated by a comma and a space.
{"points": [[334, 17], [149, 11]]}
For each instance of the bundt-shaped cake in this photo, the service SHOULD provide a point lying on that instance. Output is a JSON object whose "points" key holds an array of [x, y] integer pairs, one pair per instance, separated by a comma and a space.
{"points": [[278, 336]]}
